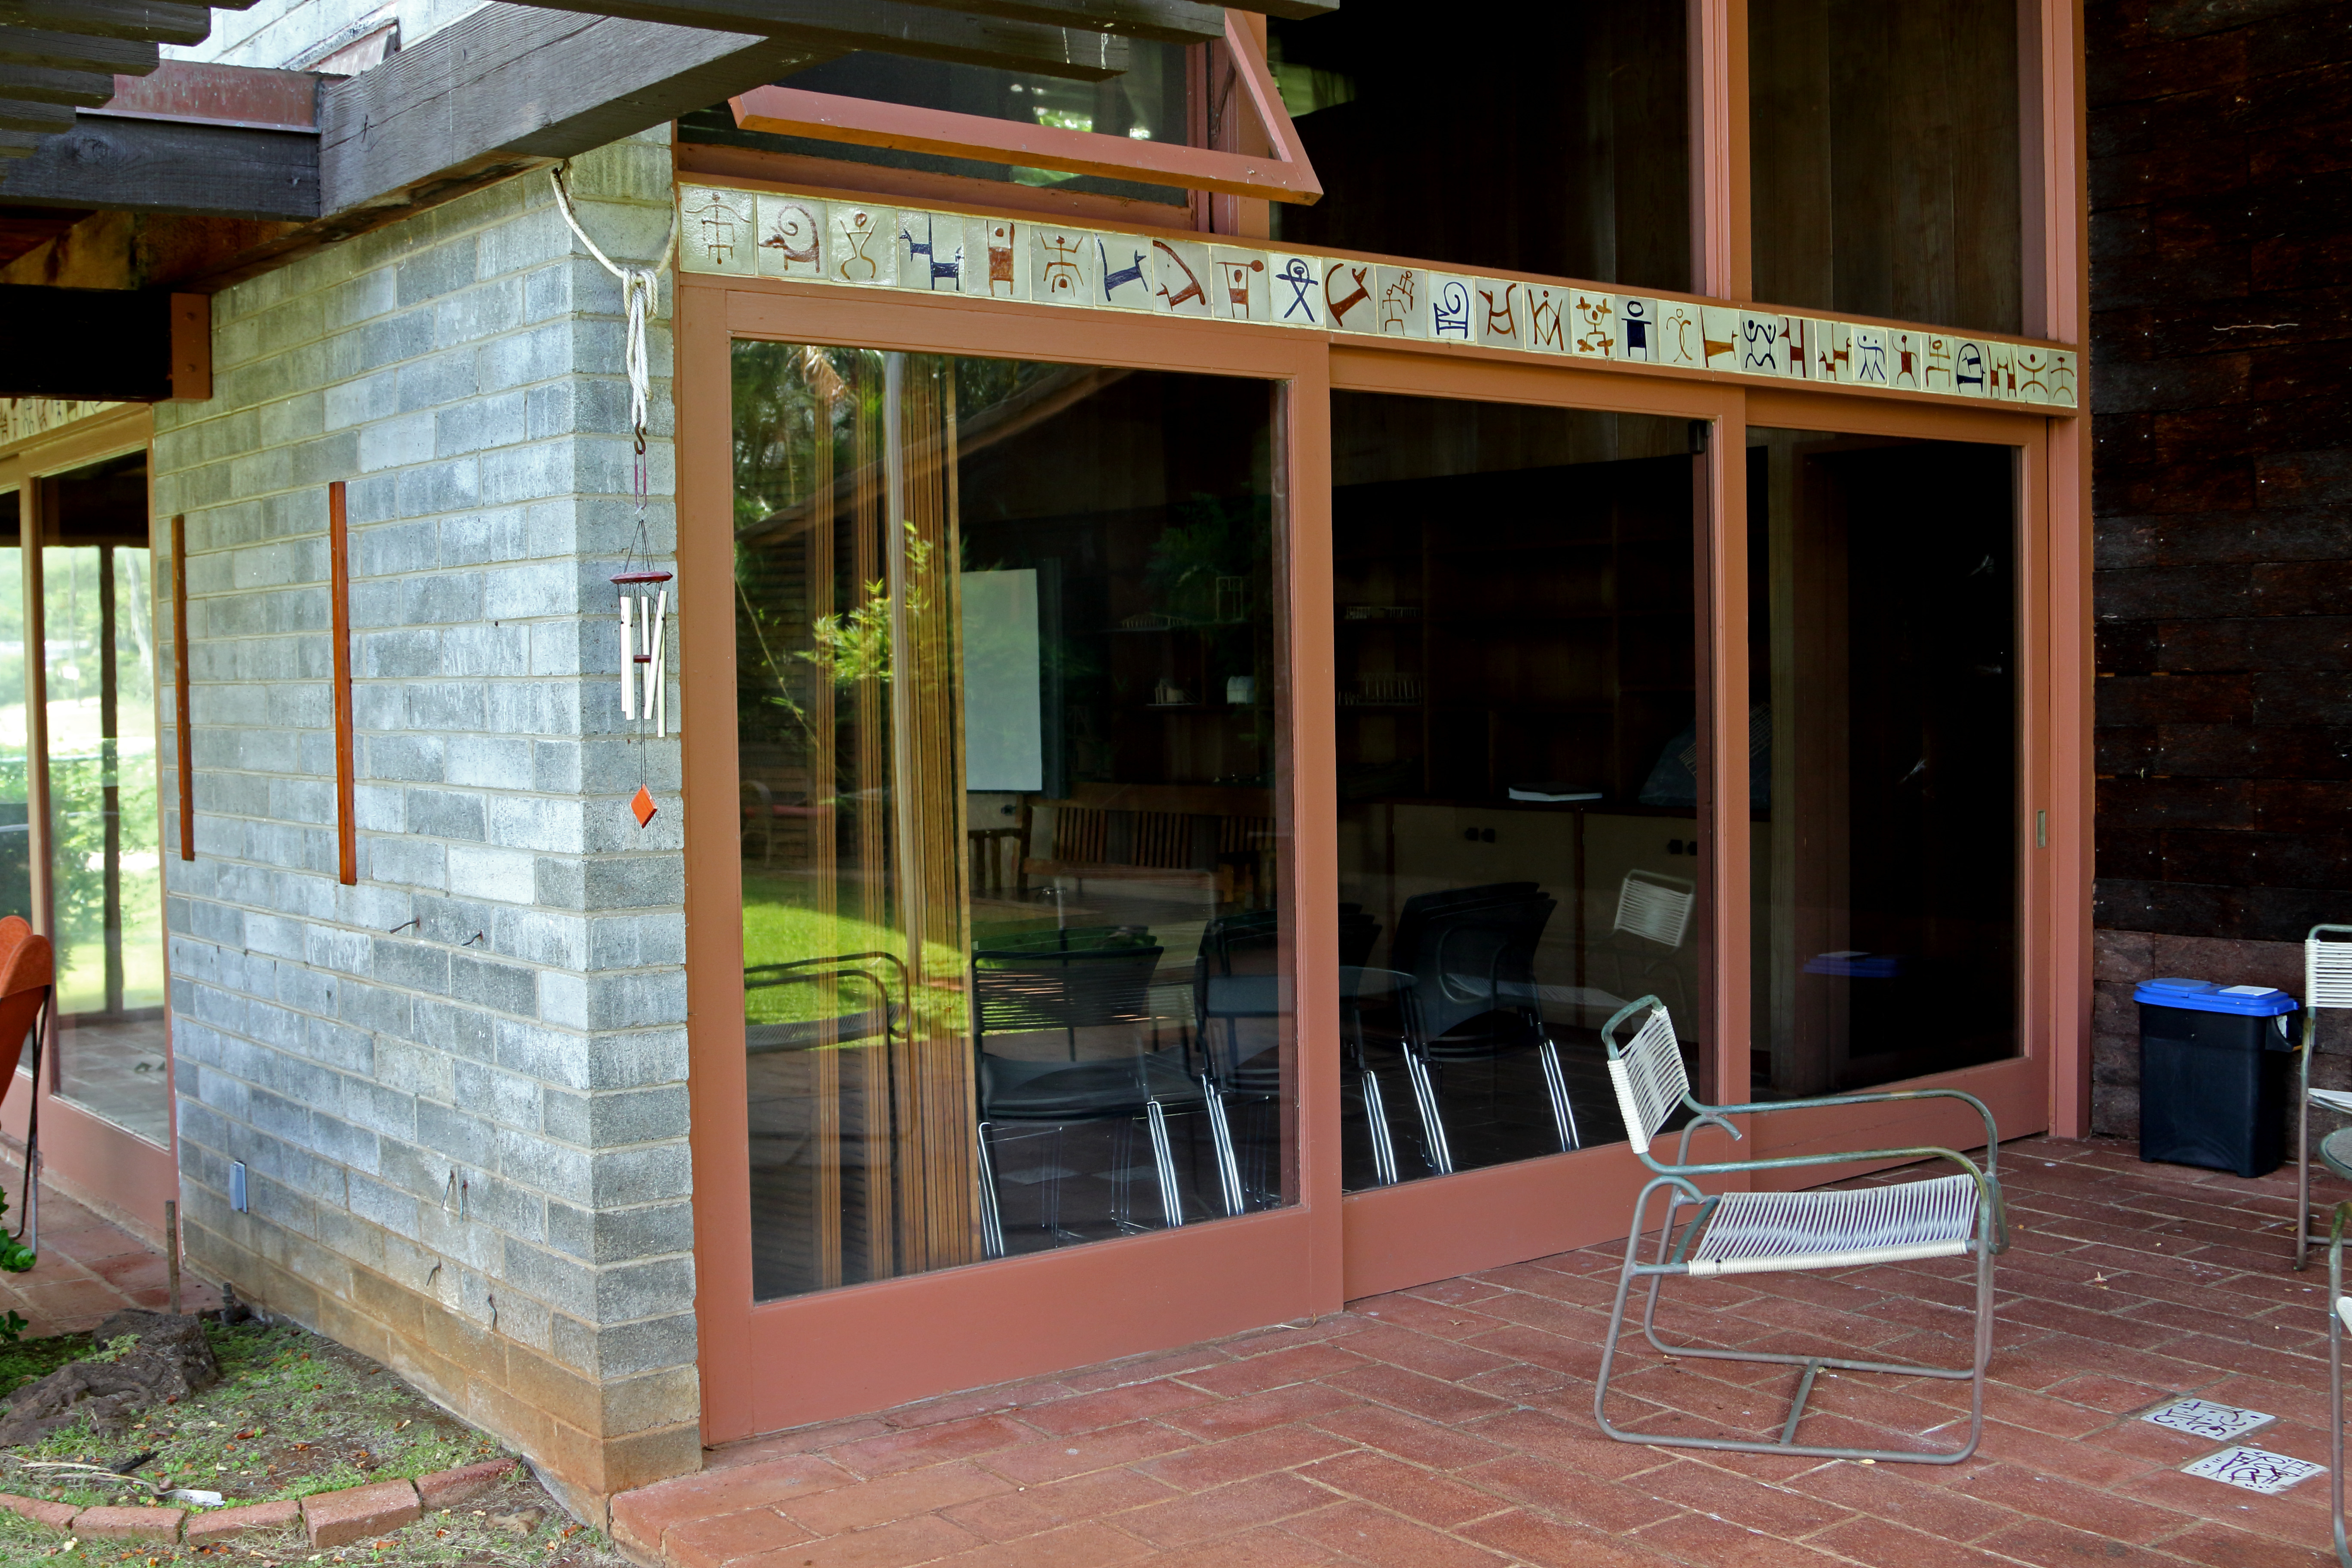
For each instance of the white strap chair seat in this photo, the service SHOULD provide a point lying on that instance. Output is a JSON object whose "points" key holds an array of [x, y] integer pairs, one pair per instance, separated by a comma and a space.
{"points": [[2333, 1100], [1758, 1233]]}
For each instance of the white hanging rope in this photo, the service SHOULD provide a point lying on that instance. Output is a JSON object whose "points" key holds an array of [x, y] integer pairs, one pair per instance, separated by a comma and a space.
{"points": [[640, 300]]}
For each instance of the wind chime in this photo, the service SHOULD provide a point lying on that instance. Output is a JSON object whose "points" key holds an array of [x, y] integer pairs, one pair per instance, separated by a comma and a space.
{"points": [[644, 589]]}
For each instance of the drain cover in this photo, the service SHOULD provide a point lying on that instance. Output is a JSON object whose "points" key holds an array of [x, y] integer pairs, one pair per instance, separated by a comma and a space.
{"points": [[2254, 1470], [2203, 1418]]}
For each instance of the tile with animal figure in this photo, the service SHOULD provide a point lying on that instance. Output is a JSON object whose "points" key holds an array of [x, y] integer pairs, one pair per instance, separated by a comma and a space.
{"points": [[791, 234], [1351, 297], [1183, 278], [931, 252], [1123, 267]]}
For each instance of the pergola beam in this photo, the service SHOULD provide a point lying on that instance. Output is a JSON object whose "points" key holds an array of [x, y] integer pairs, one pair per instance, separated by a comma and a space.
{"points": [[145, 21]]}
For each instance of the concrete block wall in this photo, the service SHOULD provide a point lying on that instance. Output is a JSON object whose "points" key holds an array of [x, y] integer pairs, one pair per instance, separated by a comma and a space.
{"points": [[457, 1087]]}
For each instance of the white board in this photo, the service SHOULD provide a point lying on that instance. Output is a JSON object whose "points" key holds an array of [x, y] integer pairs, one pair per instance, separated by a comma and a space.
{"points": [[1004, 729]]}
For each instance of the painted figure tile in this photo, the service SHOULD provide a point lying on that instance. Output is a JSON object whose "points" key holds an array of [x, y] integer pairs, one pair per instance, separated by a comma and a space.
{"points": [[1638, 329], [1600, 333], [1971, 369], [1796, 347], [1241, 277], [860, 245], [1453, 309], [791, 230], [1831, 346], [714, 230], [1681, 334], [1869, 361], [996, 253], [1296, 291], [1182, 276], [1719, 336], [1907, 360], [931, 252], [1762, 351], [1936, 363], [2001, 371], [1403, 302], [1123, 267], [1062, 266], [1549, 324], [1500, 307], [2062, 378], [2033, 375], [1350, 302]]}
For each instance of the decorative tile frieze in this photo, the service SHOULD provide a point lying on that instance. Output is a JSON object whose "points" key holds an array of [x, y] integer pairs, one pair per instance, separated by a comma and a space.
{"points": [[776, 235]]}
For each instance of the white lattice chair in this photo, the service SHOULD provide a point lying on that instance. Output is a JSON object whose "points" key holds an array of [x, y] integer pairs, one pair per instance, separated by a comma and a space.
{"points": [[1758, 1232], [2327, 982]]}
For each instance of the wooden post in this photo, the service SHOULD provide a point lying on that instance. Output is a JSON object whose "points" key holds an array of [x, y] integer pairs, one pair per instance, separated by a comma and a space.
{"points": [[172, 1250], [183, 735], [339, 545]]}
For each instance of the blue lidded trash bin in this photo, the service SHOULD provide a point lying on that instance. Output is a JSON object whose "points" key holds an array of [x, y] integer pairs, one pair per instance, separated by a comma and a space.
{"points": [[2212, 1074]]}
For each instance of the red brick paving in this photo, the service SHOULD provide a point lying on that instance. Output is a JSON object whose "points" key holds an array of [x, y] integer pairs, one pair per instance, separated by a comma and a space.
{"points": [[1453, 1423], [89, 1268]]}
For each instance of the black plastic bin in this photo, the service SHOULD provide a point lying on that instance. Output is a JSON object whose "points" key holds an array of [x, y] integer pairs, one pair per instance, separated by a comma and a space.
{"points": [[2214, 1074]]}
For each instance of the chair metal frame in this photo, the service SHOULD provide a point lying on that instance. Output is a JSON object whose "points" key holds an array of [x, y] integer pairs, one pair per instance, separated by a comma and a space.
{"points": [[1651, 1082], [2327, 982], [2337, 1307]]}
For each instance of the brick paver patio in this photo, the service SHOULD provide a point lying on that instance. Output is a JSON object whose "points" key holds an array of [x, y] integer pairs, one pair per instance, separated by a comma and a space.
{"points": [[1453, 1424], [89, 1267]]}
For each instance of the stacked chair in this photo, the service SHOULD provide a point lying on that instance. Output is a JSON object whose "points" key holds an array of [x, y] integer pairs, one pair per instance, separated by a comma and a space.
{"points": [[2327, 982]]}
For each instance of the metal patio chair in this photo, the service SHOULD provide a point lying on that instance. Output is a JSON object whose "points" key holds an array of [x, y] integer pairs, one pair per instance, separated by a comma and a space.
{"points": [[1761, 1232], [2339, 1318], [2327, 982]]}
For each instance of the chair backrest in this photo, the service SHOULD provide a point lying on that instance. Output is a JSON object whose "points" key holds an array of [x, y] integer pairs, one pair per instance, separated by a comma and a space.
{"points": [[27, 965], [1647, 1071], [1078, 989], [1475, 960], [1413, 919], [2328, 968], [1655, 908]]}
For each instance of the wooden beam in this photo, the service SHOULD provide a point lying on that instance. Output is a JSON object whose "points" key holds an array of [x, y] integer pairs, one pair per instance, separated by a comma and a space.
{"points": [[1165, 21], [170, 166], [509, 88], [1288, 10], [339, 558], [153, 21], [41, 84], [111, 345], [886, 27], [77, 51], [45, 118]]}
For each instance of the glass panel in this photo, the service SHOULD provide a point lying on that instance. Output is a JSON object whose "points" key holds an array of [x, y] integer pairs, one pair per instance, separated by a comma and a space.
{"points": [[1887, 192], [1146, 102], [1518, 809], [1014, 964], [1883, 651], [15, 833], [1569, 156], [98, 627]]}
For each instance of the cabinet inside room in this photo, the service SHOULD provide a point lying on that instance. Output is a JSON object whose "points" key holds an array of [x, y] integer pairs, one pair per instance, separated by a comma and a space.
{"points": [[1518, 768]]}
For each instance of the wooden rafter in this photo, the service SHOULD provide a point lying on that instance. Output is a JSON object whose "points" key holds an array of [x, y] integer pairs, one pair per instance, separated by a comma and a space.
{"points": [[838, 26]]}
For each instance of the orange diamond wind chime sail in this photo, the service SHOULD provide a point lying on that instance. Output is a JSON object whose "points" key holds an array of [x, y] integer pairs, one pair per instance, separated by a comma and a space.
{"points": [[644, 587]]}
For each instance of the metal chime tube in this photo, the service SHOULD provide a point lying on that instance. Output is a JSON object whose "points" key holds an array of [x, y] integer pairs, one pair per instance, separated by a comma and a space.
{"points": [[628, 666], [657, 696]]}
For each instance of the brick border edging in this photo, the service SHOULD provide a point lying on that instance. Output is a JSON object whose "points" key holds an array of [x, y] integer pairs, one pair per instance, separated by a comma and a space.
{"points": [[329, 1518]]}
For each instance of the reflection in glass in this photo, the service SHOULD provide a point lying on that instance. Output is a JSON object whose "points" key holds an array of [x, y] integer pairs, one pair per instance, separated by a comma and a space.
{"points": [[1518, 808], [15, 835], [1563, 151], [1012, 960], [1881, 621], [106, 872], [1887, 192], [1145, 102]]}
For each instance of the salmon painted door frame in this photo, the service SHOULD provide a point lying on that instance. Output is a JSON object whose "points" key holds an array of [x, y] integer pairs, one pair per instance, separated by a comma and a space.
{"points": [[84, 1155], [858, 1348]]}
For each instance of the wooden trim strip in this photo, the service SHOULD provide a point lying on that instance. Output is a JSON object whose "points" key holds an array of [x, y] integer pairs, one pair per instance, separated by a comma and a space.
{"points": [[1283, 175], [180, 724], [338, 549]]}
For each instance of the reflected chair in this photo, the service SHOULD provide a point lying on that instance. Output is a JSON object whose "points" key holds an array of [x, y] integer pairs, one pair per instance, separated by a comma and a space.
{"points": [[1031, 989], [1823, 1231], [1652, 923], [1472, 997], [2327, 982], [1237, 980], [27, 975]]}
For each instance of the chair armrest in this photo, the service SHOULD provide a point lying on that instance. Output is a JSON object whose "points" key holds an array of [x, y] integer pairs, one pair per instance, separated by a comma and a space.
{"points": [[1761, 1108]]}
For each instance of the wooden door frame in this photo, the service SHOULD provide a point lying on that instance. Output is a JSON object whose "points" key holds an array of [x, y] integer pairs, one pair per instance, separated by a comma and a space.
{"points": [[82, 1154], [1012, 1318]]}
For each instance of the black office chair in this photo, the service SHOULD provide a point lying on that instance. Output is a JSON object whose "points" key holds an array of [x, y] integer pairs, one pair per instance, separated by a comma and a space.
{"points": [[1471, 954], [1031, 988]]}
